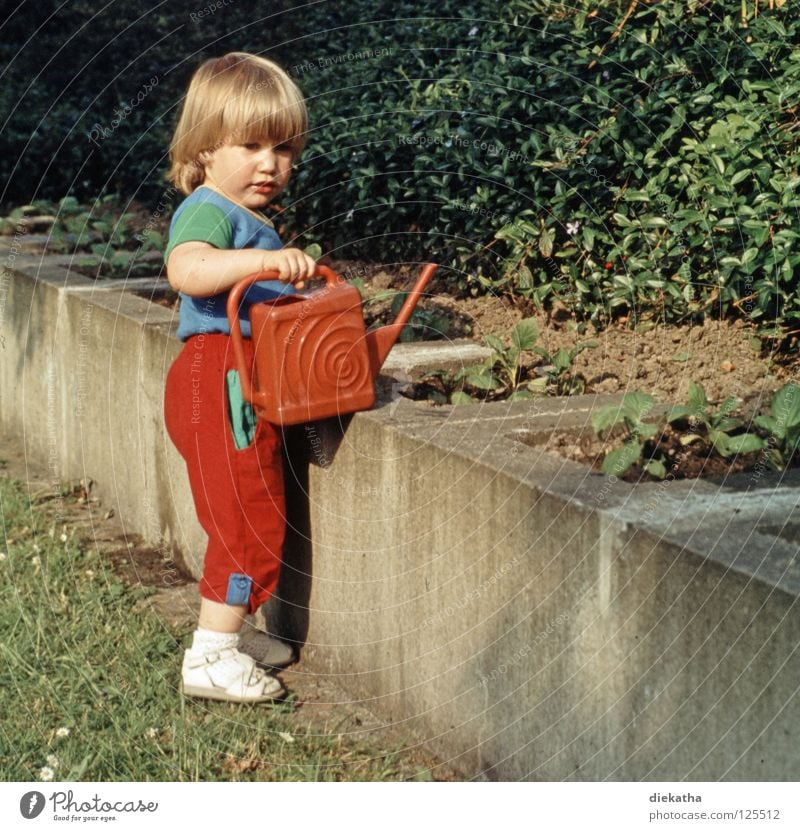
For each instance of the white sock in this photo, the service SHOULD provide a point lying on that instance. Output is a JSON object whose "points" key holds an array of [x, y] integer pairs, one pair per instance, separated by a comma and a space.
{"points": [[206, 640]]}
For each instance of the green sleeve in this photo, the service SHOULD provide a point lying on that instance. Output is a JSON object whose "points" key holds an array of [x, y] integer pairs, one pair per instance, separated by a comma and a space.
{"points": [[201, 223]]}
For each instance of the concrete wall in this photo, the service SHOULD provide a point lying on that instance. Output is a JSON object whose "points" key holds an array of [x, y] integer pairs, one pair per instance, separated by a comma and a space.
{"points": [[525, 618], [540, 622], [82, 373]]}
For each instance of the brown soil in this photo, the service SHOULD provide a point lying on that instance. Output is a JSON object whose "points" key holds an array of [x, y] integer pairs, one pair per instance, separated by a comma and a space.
{"points": [[724, 356], [681, 461]]}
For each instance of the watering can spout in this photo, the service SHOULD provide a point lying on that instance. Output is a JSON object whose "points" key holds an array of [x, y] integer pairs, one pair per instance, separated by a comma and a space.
{"points": [[380, 341]]}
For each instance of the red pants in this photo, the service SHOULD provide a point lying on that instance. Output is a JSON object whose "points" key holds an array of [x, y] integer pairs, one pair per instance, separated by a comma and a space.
{"points": [[238, 494]]}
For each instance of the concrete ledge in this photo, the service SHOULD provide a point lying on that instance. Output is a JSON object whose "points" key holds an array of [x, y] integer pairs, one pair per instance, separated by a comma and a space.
{"points": [[537, 621], [523, 616], [82, 373]]}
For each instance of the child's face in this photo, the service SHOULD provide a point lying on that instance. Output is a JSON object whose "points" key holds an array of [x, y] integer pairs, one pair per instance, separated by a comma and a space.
{"points": [[251, 174]]}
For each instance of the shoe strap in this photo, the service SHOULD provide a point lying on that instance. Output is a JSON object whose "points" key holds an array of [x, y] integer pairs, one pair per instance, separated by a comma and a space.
{"points": [[214, 656]]}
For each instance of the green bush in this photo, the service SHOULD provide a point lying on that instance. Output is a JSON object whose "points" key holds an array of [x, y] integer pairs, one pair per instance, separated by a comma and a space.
{"points": [[657, 178], [648, 169]]}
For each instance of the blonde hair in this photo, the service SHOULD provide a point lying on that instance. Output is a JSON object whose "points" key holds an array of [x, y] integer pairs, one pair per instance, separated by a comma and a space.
{"points": [[237, 98]]}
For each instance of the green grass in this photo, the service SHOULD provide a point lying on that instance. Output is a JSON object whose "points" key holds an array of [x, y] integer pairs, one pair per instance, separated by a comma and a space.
{"points": [[78, 652]]}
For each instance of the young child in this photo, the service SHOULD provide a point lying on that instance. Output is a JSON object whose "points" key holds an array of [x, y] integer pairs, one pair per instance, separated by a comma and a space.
{"points": [[242, 124]]}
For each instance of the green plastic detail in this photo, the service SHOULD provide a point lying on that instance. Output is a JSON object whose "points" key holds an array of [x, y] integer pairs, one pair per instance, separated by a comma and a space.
{"points": [[241, 415]]}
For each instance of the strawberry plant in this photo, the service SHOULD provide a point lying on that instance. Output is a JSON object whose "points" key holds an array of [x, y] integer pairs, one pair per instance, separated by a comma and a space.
{"points": [[715, 428], [782, 426], [501, 372], [558, 370], [630, 414]]}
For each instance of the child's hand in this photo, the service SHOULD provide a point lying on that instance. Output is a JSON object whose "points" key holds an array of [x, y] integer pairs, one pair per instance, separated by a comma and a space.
{"points": [[292, 265]]}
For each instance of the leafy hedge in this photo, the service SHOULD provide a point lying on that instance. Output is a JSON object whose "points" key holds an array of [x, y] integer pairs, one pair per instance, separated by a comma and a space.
{"points": [[654, 172], [644, 164]]}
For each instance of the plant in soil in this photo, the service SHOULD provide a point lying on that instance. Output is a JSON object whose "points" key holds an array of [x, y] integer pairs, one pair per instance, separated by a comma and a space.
{"points": [[697, 437], [558, 370], [108, 240], [503, 375], [636, 434], [714, 428], [500, 376], [782, 426]]}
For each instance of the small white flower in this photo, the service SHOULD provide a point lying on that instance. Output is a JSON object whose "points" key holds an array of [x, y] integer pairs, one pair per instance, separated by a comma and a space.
{"points": [[348, 217], [606, 75], [46, 774], [573, 227], [2, 556], [36, 561], [63, 538], [62, 732], [473, 31], [287, 737], [152, 732], [89, 573], [52, 760], [36, 548]]}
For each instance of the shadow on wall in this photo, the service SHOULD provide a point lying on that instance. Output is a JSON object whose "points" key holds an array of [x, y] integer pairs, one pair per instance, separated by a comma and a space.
{"points": [[305, 445]]}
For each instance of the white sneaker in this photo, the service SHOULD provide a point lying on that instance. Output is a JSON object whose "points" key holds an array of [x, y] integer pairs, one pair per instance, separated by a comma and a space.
{"points": [[227, 675]]}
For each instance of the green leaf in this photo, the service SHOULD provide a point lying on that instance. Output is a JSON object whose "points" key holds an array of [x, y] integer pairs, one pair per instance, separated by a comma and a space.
{"points": [[655, 467], [749, 255], [562, 360], [460, 398], [637, 404], [697, 399], [786, 405], [525, 334], [721, 442], [493, 342], [507, 232], [519, 395], [771, 425], [727, 406], [605, 418], [646, 431], [678, 413], [622, 220], [725, 425], [745, 443], [584, 344], [618, 461], [546, 243], [483, 380]]}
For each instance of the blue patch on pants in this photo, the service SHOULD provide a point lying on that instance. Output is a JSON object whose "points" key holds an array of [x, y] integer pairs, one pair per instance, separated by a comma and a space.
{"points": [[238, 590]]}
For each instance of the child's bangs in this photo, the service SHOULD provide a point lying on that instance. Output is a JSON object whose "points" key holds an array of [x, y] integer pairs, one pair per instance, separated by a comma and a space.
{"points": [[275, 117]]}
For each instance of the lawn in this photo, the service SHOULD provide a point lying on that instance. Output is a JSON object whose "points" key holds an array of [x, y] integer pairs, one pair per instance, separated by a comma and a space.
{"points": [[89, 682]]}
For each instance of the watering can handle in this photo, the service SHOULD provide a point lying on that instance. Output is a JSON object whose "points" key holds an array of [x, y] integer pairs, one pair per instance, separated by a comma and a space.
{"points": [[234, 299]]}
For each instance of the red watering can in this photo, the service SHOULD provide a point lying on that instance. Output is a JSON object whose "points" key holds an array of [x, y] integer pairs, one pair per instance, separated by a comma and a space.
{"points": [[313, 357]]}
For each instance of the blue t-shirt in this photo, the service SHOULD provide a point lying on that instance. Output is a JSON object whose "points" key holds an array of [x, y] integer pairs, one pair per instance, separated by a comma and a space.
{"points": [[208, 216]]}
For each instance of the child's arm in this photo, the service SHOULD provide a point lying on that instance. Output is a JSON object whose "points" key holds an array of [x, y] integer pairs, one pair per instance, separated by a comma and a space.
{"points": [[201, 270]]}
